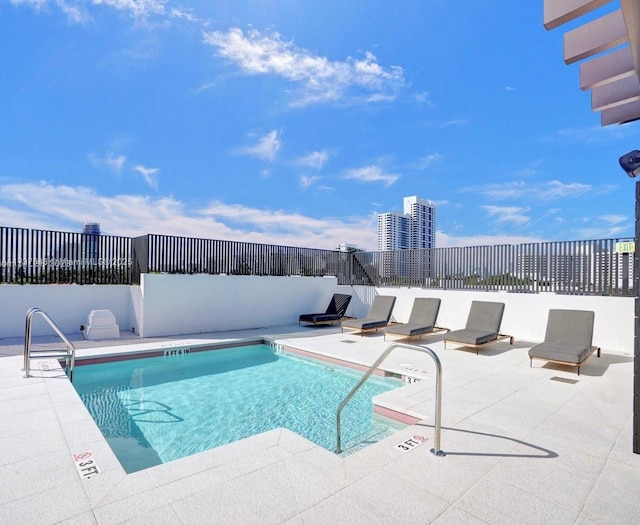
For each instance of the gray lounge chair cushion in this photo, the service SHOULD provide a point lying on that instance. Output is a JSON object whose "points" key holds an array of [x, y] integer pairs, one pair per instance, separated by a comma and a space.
{"points": [[364, 324], [485, 316], [483, 324], [470, 337], [408, 330], [378, 316], [565, 352], [568, 337], [422, 319]]}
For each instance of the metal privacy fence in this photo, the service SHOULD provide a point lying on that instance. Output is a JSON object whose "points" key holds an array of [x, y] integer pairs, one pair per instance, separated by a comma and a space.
{"points": [[591, 267], [54, 257], [594, 267], [187, 255]]}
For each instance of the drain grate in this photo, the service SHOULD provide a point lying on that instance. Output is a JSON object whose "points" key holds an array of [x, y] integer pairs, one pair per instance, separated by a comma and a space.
{"points": [[564, 380], [348, 341]]}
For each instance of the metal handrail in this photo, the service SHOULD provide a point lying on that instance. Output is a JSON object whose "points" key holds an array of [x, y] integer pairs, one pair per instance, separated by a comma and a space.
{"points": [[70, 357], [438, 408]]}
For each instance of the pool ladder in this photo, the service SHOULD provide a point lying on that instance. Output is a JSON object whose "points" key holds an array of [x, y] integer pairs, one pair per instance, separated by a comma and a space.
{"points": [[69, 354], [436, 451]]}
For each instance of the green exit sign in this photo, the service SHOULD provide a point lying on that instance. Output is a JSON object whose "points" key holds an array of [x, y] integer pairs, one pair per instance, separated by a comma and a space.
{"points": [[625, 247]]}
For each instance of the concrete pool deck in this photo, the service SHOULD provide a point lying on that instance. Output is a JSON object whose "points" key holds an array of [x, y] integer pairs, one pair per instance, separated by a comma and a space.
{"points": [[524, 445]]}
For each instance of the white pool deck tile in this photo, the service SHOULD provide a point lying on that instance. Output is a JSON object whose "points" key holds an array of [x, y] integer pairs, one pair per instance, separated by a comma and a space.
{"points": [[524, 445]]}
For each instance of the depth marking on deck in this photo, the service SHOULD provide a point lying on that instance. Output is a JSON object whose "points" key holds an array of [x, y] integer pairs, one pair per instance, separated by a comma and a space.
{"points": [[411, 443], [86, 465]]}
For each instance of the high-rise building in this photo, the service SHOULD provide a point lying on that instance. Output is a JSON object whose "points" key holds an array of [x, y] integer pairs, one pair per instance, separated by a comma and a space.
{"points": [[393, 231], [416, 228], [91, 228], [90, 242]]}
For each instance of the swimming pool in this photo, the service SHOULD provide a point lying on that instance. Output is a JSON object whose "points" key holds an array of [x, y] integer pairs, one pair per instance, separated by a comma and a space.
{"points": [[158, 409]]}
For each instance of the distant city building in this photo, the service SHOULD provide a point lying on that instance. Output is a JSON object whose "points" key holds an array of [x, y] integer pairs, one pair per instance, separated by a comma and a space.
{"points": [[414, 229], [590, 267], [91, 228], [393, 231], [90, 242], [350, 248]]}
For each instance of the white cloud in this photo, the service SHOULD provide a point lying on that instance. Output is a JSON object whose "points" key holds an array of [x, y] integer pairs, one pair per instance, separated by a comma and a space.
{"points": [[186, 14], [266, 148], [613, 219], [428, 160], [137, 8], [76, 14], [35, 4], [455, 122], [76, 10], [550, 190], [307, 181], [112, 161], [604, 226], [65, 208], [593, 134], [148, 174], [115, 162], [600, 232], [320, 79], [505, 214], [424, 98], [556, 189], [372, 174], [46, 206], [504, 191], [314, 160]]}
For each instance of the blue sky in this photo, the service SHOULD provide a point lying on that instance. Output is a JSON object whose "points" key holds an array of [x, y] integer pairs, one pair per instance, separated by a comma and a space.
{"points": [[297, 122]]}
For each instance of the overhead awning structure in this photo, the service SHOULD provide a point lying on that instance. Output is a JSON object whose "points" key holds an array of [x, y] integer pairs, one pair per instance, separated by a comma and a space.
{"points": [[609, 50]]}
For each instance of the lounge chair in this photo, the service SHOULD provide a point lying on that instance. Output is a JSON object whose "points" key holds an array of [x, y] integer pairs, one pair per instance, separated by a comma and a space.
{"points": [[422, 320], [483, 326], [335, 311], [378, 316], [567, 340]]}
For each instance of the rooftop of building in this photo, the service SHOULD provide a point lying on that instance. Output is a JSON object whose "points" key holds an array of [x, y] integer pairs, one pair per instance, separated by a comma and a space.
{"points": [[523, 445]]}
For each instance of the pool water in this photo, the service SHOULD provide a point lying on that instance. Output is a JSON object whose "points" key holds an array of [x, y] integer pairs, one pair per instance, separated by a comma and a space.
{"points": [[158, 409]]}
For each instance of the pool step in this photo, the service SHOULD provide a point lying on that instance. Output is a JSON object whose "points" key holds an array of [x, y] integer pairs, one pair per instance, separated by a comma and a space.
{"points": [[48, 354]]}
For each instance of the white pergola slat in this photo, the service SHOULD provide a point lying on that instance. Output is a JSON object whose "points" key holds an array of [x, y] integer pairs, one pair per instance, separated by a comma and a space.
{"points": [[620, 114], [558, 12], [607, 68], [613, 74], [590, 39], [615, 94]]}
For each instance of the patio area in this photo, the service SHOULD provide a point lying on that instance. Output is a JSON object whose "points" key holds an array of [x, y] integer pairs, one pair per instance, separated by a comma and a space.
{"points": [[523, 445]]}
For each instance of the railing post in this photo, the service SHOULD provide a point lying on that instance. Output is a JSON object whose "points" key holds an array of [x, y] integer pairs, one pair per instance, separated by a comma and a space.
{"points": [[636, 331], [139, 257]]}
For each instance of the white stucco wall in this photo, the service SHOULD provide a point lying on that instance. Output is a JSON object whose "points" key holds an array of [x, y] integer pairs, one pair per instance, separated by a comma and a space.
{"points": [[525, 315], [68, 306], [187, 304]]}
